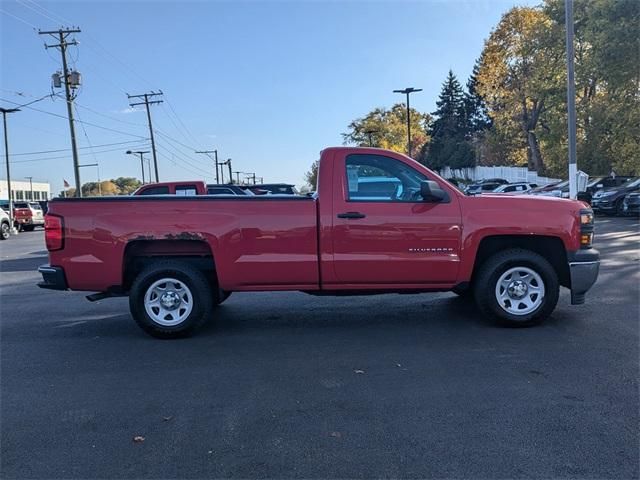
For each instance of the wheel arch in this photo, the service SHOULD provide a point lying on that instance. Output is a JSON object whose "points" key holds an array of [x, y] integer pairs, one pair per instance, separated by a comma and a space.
{"points": [[139, 254], [550, 247]]}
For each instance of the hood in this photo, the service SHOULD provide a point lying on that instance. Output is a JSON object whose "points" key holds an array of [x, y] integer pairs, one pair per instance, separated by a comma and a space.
{"points": [[522, 200]]}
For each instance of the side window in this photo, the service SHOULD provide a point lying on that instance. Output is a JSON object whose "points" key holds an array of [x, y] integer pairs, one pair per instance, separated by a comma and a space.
{"points": [[376, 178], [156, 191], [220, 191], [186, 190]]}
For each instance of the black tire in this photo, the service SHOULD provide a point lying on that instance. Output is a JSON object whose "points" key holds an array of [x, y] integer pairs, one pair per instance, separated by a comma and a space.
{"points": [[222, 296], [28, 228], [620, 208], [489, 274], [465, 293], [195, 281], [5, 231]]}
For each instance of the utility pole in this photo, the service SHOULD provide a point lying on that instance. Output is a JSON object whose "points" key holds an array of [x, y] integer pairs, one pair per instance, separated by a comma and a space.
{"points": [[30, 187], [146, 103], [252, 176], [6, 154], [215, 153], [228, 163], [238, 176], [408, 91], [571, 100], [129, 152], [69, 83]]}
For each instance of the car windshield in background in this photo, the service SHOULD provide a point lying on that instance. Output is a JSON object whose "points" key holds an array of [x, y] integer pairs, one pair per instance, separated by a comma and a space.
{"points": [[634, 182]]}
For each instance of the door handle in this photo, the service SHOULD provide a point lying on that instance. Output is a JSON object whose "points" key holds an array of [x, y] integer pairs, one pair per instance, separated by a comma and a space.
{"points": [[351, 215]]}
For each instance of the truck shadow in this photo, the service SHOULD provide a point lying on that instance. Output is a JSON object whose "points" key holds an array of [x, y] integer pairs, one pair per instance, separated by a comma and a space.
{"points": [[22, 264]]}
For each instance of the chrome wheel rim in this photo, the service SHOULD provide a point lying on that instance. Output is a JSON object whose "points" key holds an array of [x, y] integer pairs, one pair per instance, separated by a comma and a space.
{"points": [[168, 302], [5, 231], [520, 291]]}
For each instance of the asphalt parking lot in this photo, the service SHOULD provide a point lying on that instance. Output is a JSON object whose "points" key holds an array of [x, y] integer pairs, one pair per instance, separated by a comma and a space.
{"points": [[289, 385]]}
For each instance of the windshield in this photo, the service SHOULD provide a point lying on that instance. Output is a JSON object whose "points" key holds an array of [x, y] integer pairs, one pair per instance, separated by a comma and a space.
{"points": [[634, 182]]}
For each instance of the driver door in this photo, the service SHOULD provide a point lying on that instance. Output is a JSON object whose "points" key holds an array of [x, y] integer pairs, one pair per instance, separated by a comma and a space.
{"points": [[384, 233]]}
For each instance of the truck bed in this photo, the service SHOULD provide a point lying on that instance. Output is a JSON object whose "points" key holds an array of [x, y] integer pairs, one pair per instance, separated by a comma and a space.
{"points": [[268, 241]]}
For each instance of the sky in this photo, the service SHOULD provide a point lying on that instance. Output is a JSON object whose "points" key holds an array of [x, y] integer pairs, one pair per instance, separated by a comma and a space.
{"points": [[268, 84]]}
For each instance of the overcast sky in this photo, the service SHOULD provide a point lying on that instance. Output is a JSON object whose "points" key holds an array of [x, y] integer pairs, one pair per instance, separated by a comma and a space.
{"points": [[268, 84]]}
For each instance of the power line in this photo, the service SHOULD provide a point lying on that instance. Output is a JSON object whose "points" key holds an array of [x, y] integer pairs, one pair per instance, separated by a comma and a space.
{"points": [[109, 117], [176, 142], [79, 148], [190, 170], [64, 156], [66, 118], [20, 19], [185, 159]]}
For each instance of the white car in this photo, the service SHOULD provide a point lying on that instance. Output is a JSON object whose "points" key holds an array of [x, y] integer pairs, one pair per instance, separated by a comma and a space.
{"points": [[5, 225], [514, 188]]}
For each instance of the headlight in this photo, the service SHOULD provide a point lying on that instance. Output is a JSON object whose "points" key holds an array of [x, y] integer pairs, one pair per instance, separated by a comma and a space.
{"points": [[608, 194]]}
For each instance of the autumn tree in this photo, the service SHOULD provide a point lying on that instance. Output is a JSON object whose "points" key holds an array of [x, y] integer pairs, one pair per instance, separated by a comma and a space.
{"points": [[387, 128], [519, 72]]}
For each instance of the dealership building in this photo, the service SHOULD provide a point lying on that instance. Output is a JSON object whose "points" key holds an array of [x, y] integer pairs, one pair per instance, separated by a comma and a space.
{"points": [[25, 190]]}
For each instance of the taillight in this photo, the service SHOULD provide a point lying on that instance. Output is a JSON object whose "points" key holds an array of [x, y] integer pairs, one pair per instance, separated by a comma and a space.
{"points": [[586, 228], [53, 232]]}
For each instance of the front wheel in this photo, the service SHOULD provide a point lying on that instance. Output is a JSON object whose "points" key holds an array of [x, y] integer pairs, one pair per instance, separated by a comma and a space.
{"points": [[5, 231], [170, 299], [518, 288]]}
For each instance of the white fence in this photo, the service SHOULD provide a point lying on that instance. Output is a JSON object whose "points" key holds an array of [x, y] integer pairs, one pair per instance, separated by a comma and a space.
{"points": [[511, 174]]}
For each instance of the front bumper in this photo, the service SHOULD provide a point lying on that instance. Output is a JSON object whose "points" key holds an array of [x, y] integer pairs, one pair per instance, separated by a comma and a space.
{"points": [[603, 205], [584, 266], [52, 278]]}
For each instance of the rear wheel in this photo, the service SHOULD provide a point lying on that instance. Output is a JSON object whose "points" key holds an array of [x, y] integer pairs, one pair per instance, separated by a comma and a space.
{"points": [[28, 228], [5, 231], [170, 299], [518, 288]]}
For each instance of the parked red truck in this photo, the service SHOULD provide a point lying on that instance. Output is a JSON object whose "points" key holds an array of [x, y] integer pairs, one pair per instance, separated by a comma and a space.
{"points": [[379, 223]]}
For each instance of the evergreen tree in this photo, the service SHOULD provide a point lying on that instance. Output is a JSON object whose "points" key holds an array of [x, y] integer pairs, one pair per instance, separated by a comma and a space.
{"points": [[449, 146], [476, 115]]}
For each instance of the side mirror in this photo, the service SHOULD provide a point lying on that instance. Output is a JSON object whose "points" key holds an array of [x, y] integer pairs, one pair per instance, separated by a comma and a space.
{"points": [[431, 192]]}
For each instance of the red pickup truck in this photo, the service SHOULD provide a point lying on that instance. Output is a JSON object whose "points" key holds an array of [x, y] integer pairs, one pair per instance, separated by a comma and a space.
{"points": [[379, 223]]}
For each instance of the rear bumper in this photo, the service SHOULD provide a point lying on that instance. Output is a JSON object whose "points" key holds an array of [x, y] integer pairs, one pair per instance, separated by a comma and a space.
{"points": [[584, 266], [52, 278]]}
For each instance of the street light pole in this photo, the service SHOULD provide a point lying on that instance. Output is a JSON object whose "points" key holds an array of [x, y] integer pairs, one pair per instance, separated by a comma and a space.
{"points": [[407, 92], [129, 152], [6, 154], [571, 100]]}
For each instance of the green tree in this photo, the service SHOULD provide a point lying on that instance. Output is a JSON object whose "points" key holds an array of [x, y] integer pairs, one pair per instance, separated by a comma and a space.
{"points": [[126, 185], [311, 176], [389, 127], [476, 114], [449, 144]]}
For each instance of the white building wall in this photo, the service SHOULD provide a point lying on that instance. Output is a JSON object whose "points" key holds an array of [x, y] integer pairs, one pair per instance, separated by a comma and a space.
{"points": [[22, 190], [511, 174]]}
